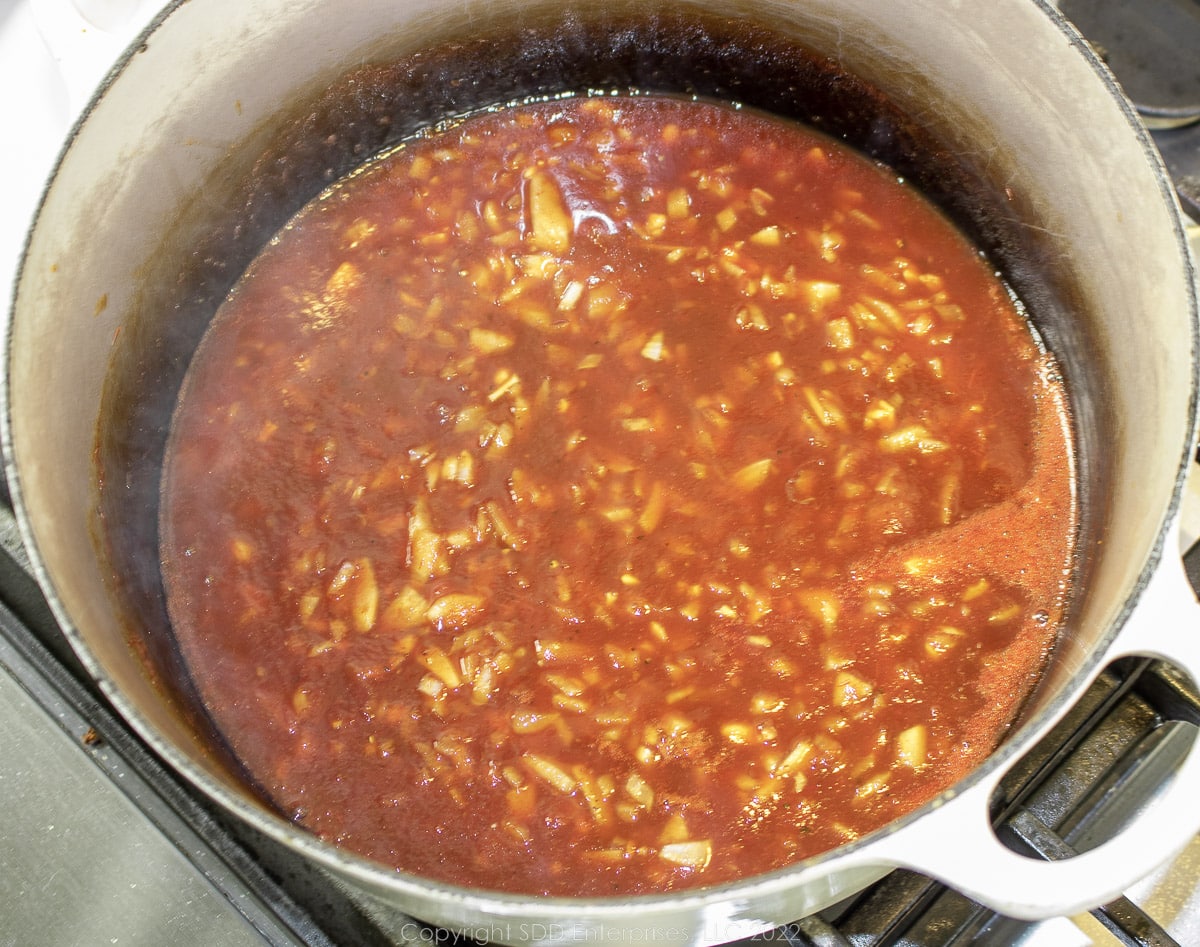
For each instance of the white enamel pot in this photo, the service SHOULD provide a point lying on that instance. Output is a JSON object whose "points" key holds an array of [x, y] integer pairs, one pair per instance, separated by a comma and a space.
{"points": [[224, 116]]}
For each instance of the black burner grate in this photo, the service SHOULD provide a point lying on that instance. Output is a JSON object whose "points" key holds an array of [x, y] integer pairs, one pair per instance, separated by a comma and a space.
{"points": [[1151, 47]]}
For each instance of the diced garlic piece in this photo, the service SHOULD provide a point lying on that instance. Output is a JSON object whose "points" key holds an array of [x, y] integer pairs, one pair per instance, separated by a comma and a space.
{"points": [[504, 386], [948, 499], [519, 832], [850, 689], [676, 830], [548, 221], [357, 232], [825, 407], [521, 801], [767, 237], [827, 243], [913, 437], [551, 772], [344, 278], [308, 603], [364, 606], [656, 224], [420, 168], [900, 367], [882, 279], [794, 760], [766, 704], [865, 219], [436, 661], [820, 293], [835, 660], [975, 589], [506, 531], [920, 324], [881, 413], [488, 341], [1004, 614], [427, 554], [872, 786], [757, 606], [912, 746], [300, 700], [695, 854], [941, 640], [653, 349], [679, 204], [640, 790], [760, 201], [573, 705], [530, 721], [822, 605], [536, 317], [753, 474], [341, 578], [920, 565], [679, 694], [752, 316], [652, 512], [455, 610], [840, 333], [571, 295], [513, 777], [571, 686], [406, 610], [593, 794]]}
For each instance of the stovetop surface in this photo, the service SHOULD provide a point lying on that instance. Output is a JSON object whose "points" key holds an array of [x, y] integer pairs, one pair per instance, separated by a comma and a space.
{"points": [[99, 843]]}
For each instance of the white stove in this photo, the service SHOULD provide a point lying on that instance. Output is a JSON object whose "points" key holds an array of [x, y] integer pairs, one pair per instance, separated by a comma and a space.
{"points": [[95, 848]]}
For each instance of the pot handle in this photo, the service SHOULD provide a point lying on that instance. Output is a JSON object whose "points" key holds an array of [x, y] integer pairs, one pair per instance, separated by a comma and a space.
{"points": [[84, 37], [957, 844]]}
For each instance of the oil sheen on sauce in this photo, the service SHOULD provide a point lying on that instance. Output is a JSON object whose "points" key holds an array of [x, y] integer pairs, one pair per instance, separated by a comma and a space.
{"points": [[615, 495]]}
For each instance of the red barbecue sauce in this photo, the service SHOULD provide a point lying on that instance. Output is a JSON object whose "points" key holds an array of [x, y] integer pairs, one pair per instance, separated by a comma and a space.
{"points": [[615, 495]]}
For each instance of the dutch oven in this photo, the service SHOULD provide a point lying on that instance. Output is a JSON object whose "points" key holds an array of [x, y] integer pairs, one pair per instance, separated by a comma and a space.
{"points": [[224, 118]]}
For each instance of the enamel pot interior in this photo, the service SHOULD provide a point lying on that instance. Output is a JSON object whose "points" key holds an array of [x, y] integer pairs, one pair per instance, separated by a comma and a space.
{"points": [[229, 117]]}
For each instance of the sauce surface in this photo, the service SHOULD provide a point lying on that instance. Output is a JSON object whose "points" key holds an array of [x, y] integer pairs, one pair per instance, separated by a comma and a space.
{"points": [[615, 495]]}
